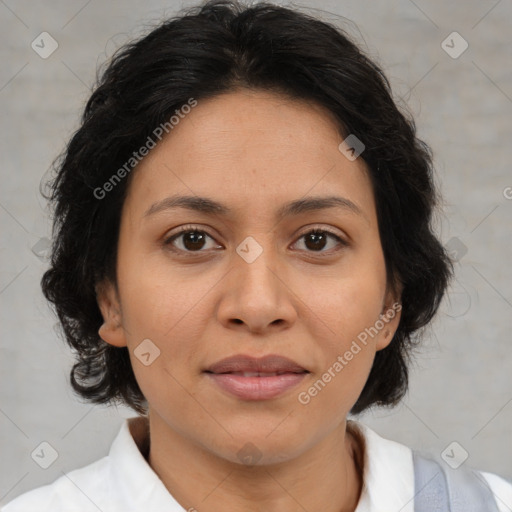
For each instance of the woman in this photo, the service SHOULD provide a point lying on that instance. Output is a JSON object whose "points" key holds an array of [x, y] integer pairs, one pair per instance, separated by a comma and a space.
{"points": [[243, 254]]}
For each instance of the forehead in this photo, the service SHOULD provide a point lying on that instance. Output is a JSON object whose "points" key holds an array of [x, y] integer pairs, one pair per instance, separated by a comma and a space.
{"points": [[251, 150]]}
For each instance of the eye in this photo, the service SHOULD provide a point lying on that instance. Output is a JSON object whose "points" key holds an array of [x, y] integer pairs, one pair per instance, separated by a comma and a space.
{"points": [[317, 239], [192, 239]]}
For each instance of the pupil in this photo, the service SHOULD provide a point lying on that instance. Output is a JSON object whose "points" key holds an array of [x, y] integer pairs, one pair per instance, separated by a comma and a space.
{"points": [[316, 237], [193, 237]]}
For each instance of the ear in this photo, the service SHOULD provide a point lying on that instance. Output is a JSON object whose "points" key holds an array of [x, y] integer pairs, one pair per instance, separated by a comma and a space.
{"points": [[111, 331], [390, 317]]}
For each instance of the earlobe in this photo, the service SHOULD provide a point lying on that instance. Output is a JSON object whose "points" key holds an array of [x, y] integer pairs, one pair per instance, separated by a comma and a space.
{"points": [[111, 331], [390, 316], [385, 339]]}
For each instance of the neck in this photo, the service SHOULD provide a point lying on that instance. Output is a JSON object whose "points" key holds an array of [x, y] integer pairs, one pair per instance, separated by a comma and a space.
{"points": [[327, 476]]}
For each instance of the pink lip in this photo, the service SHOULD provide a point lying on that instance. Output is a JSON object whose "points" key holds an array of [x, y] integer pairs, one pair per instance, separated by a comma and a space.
{"points": [[256, 388], [228, 374]]}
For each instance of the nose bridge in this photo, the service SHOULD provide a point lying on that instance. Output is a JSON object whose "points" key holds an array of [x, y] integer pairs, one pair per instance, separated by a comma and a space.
{"points": [[255, 294], [255, 266]]}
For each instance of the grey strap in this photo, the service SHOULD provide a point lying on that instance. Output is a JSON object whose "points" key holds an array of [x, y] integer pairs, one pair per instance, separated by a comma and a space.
{"points": [[469, 491], [430, 487], [440, 489]]}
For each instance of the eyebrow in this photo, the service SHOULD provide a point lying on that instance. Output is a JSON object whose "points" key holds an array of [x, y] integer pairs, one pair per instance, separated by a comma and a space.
{"points": [[210, 206]]}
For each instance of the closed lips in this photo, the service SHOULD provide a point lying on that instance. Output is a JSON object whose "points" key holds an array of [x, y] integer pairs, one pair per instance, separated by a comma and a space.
{"points": [[249, 378]]}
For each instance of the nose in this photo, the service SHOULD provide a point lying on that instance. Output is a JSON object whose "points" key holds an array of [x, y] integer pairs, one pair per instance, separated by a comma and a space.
{"points": [[256, 296]]}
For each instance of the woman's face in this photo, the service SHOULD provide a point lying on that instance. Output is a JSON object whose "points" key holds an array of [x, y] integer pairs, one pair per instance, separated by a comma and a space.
{"points": [[252, 282]]}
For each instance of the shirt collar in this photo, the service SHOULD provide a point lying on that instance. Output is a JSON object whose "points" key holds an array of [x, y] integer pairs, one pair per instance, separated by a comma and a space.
{"points": [[388, 475], [137, 485]]}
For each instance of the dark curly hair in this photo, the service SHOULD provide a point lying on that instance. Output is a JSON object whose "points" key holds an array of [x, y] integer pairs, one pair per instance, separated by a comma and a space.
{"points": [[211, 49]]}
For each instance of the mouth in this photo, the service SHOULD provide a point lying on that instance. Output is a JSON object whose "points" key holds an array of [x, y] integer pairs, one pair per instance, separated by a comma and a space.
{"points": [[250, 378]]}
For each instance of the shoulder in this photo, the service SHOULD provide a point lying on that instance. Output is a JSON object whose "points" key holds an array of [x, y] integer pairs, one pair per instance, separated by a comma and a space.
{"points": [[82, 487], [120, 481], [391, 475]]}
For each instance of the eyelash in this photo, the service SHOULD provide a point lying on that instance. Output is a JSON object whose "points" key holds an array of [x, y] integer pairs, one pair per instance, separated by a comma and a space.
{"points": [[168, 242]]}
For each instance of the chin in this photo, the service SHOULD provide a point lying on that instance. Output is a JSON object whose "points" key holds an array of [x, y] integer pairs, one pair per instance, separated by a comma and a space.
{"points": [[259, 446]]}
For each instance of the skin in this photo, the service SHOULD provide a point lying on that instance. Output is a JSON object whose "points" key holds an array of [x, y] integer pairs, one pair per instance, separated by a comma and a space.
{"points": [[252, 151]]}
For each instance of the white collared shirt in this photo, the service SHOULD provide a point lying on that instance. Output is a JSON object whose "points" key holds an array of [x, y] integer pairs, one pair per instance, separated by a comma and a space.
{"points": [[123, 481]]}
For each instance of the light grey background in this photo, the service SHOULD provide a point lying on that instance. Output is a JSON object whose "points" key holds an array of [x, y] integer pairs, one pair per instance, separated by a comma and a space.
{"points": [[461, 385]]}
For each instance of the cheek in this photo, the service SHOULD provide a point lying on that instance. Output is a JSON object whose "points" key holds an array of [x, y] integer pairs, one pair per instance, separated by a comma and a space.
{"points": [[157, 296], [349, 303], [167, 304], [347, 312], [346, 352]]}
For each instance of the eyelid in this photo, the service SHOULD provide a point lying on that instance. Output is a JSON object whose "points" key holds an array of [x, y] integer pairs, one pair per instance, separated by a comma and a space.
{"points": [[167, 241], [342, 241], [323, 229]]}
